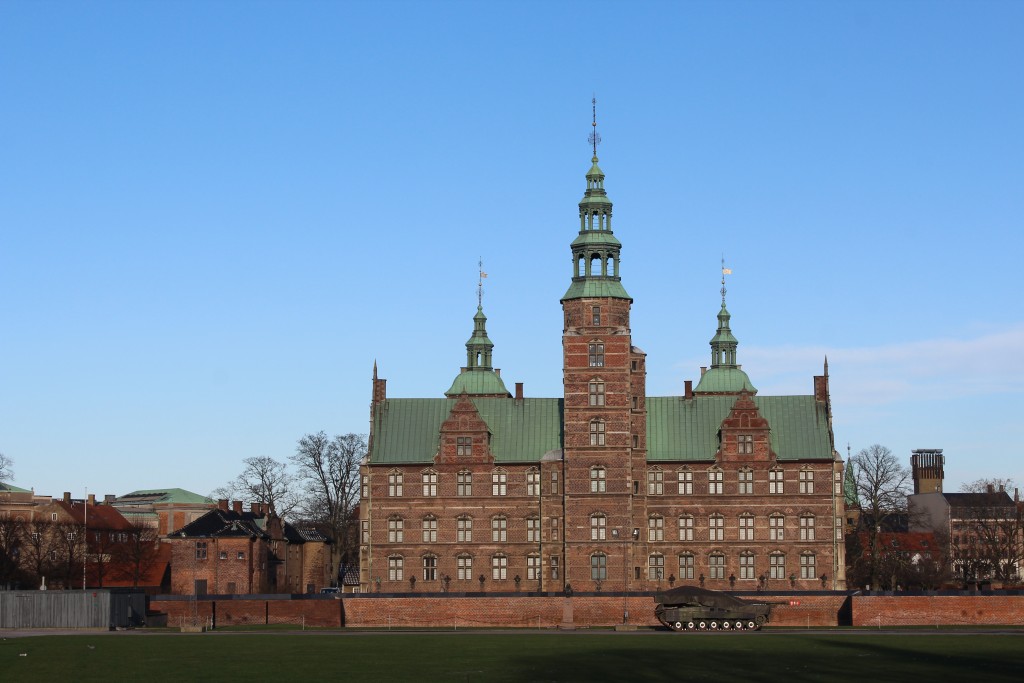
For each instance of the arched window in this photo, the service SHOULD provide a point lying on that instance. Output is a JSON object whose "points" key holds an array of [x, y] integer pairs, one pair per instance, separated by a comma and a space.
{"points": [[395, 483], [655, 481], [716, 528], [396, 529], [598, 567], [715, 477], [806, 527], [685, 566], [807, 566], [430, 567], [499, 567], [464, 483], [499, 529], [685, 479], [598, 526], [430, 529], [464, 568], [716, 566], [464, 528], [396, 567], [776, 527], [686, 528], [499, 482], [746, 527], [746, 481], [747, 565], [597, 479], [806, 480], [596, 393], [595, 265], [429, 480], [533, 482], [655, 528], [655, 567], [777, 566], [776, 481], [597, 432]]}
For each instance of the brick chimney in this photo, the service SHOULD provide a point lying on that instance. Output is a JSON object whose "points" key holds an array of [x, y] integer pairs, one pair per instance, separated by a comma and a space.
{"points": [[519, 391], [821, 388], [67, 496], [91, 500], [237, 507], [688, 390], [222, 504]]}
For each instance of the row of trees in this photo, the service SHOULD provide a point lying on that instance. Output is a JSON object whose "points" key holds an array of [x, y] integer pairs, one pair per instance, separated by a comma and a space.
{"points": [[984, 540], [318, 486]]}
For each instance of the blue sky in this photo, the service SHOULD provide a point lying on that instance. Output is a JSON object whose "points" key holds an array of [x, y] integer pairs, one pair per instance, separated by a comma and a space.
{"points": [[215, 216]]}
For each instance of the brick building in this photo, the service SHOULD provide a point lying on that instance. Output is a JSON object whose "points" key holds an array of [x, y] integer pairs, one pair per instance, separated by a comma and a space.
{"points": [[603, 488]]}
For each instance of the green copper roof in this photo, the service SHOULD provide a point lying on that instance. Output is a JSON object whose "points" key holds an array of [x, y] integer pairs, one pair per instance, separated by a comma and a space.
{"points": [[407, 430], [475, 382], [722, 380], [593, 288], [681, 430], [596, 238], [180, 496], [850, 487], [11, 488]]}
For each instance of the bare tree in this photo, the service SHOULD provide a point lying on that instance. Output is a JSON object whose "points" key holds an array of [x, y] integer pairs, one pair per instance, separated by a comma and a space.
{"points": [[882, 487], [987, 533], [6, 468], [329, 471], [986, 485], [12, 535], [137, 554], [266, 481], [39, 551]]}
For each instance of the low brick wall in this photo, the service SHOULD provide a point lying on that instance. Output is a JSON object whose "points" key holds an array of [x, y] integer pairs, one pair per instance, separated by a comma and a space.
{"points": [[932, 610], [249, 610]]}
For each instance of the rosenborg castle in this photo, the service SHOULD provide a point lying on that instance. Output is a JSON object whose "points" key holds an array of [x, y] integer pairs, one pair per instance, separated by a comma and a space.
{"points": [[603, 487]]}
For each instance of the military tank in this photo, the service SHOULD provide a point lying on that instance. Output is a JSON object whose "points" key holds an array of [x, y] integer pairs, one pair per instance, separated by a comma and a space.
{"points": [[689, 608]]}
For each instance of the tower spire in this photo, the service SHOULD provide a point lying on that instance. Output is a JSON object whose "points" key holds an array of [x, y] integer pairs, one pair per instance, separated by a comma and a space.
{"points": [[725, 375], [594, 138], [480, 285], [478, 377]]}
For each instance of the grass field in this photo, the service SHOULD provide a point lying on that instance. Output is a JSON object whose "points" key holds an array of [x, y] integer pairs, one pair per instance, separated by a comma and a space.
{"points": [[607, 656]]}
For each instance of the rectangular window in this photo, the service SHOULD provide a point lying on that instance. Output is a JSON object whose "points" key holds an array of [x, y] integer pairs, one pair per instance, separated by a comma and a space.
{"points": [[686, 528], [554, 528], [396, 566], [395, 483], [464, 528], [429, 480], [597, 480], [223, 554], [716, 566], [533, 567], [533, 530], [807, 569], [655, 483], [597, 393], [685, 478], [499, 568], [746, 482], [396, 530], [430, 568], [715, 482], [598, 567], [464, 445], [746, 566], [240, 555], [685, 567], [499, 530], [200, 550], [776, 528], [464, 568], [533, 483], [777, 566], [554, 567], [837, 478], [716, 528], [746, 528], [464, 484], [775, 482], [597, 528], [554, 482], [806, 481], [499, 483], [365, 490], [839, 528], [633, 365], [430, 530], [597, 355], [595, 315], [655, 529], [636, 441], [597, 432], [745, 444], [807, 528], [633, 403], [656, 567]]}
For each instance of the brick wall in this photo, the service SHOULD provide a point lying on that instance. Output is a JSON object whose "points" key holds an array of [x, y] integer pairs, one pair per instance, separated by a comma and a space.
{"points": [[929, 610], [317, 612]]}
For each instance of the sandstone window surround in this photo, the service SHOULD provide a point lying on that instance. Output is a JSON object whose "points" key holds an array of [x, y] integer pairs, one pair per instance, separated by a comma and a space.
{"points": [[597, 479], [776, 527], [533, 567], [430, 567], [807, 566], [395, 479], [596, 392], [499, 529], [715, 478], [655, 528], [598, 567], [464, 483], [464, 568], [596, 354], [806, 527], [499, 567], [464, 529], [396, 530], [597, 432], [396, 567], [598, 526], [429, 480], [533, 529], [806, 481], [464, 445], [747, 565], [716, 528], [776, 481], [686, 566], [745, 444], [777, 566], [430, 529], [746, 527], [655, 481], [686, 528], [746, 481], [533, 482], [716, 566], [655, 567], [685, 479], [499, 482]]}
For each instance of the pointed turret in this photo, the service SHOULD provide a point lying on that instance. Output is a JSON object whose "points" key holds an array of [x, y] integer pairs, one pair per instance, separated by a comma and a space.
{"points": [[478, 378], [725, 375]]}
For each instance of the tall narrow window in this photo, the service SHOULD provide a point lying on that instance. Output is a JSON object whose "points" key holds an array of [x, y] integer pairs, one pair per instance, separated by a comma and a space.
{"points": [[430, 529], [807, 527], [595, 315], [597, 481], [499, 483], [597, 432], [598, 567], [776, 566], [429, 480], [715, 482], [533, 482], [686, 528], [464, 527], [716, 566], [554, 528], [499, 567], [776, 482], [464, 568], [430, 567], [464, 483], [366, 531], [553, 562], [365, 489], [837, 485], [655, 567], [464, 445], [685, 566], [395, 483], [776, 528], [396, 565], [655, 482], [806, 481], [807, 567], [747, 565], [745, 444], [716, 528], [746, 481], [746, 527], [597, 355], [201, 550], [499, 530], [396, 530], [685, 479], [597, 393], [533, 530], [655, 528], [533, 567], [598, 524], [554, 481]]}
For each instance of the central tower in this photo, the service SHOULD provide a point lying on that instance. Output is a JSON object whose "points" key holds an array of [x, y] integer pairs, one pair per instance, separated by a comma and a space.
{"points": [[604, 409]]}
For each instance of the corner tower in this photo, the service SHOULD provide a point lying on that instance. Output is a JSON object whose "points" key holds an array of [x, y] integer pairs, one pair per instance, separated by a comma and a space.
{"points": [[604, 410]]}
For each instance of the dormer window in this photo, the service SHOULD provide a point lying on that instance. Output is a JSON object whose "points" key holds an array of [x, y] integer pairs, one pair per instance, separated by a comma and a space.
{"points": [[745, 444], [464, 445]]}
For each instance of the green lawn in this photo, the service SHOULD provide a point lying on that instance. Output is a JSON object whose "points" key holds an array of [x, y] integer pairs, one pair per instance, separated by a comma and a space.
{"points": [[292, 656]]}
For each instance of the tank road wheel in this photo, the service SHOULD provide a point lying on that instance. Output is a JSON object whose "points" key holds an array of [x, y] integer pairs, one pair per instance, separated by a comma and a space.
{"points": [[702, 625], [761, 620], [690, 626], [739, 625], [751, 625], [713, 625], [678, 626], [725, 625]]}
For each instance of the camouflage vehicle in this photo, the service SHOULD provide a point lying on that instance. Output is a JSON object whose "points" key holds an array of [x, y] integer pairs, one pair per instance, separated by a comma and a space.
{"points": [[689, 608]]}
